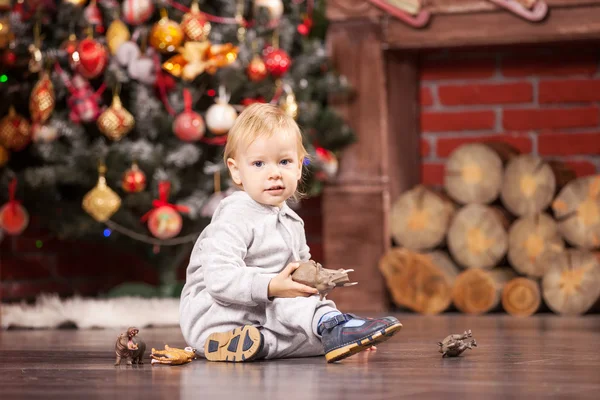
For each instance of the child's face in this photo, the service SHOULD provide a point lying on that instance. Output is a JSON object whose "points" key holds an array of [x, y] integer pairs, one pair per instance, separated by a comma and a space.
{"points": [[269, 169]]}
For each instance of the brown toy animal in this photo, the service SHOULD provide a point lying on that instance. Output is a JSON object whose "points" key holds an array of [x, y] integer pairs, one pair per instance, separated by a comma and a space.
{"points": [[130, 347], [311, 273], [172, 356], [454, 345]]}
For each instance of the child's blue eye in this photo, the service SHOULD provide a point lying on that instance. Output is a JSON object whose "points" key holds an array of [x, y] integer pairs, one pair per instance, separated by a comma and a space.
{"points": [[286, 162], [258, 163]]}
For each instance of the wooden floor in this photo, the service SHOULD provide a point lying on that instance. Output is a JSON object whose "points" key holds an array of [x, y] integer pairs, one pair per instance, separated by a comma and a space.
{"points": [[542, 357]]}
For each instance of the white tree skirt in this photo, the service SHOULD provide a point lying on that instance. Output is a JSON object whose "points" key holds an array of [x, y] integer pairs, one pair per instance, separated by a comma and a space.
{"points": [[49, 311]]}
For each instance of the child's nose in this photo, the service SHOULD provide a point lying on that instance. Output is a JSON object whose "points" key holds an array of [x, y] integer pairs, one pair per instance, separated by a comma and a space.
{"points": [[274, 172]]}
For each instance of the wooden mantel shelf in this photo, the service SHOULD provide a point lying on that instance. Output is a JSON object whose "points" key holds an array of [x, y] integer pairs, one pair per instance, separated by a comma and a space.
{"points": [[457, 23], [378, 54]]}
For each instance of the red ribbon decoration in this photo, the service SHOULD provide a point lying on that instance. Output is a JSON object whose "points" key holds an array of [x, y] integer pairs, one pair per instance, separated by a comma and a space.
{"points": [[164, 187], [12, 188]]}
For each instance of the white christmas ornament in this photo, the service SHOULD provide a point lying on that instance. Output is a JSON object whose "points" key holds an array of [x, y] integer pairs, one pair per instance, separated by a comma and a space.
{"points": [[127, 52], [142, 69], [221, 116], [136, 12], [275, 7]]}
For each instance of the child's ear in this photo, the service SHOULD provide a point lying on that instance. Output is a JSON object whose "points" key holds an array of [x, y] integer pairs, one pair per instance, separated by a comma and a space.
{"points": [[234, 171]]}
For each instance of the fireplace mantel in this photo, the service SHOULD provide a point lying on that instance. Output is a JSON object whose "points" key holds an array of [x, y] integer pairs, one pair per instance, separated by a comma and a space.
{"points": [[378, 54]]}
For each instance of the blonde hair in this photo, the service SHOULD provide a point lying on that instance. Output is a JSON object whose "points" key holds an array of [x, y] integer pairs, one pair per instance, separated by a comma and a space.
{"points": [[258, 120]]}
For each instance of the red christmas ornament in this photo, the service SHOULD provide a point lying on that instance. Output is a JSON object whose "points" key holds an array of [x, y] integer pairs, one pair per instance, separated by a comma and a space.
{"points": [[248, 100], [9, 58], [164, 220], [93, 58], [304, 27], [134, 179], [189, 126], [257, 70], [93, 16], [277, 61], [13, 216]]}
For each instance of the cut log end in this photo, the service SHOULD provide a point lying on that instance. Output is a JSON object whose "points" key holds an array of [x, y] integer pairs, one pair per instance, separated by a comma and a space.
{"points": [[577, 210], [529, 185], [531, 241], [477, 237], [416, 282], [478, 291], [474, 174], [420, 218], [572, 284], [521, 297]]}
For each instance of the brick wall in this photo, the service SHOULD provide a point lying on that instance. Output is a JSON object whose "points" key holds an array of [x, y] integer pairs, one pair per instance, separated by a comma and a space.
{"points": [[541, 100], [34, 262]]}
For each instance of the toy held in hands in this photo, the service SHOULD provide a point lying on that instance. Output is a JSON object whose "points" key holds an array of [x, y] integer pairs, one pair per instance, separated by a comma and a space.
{"points": [[311, 273], [454, 345], [130, 347], [172, 355]]}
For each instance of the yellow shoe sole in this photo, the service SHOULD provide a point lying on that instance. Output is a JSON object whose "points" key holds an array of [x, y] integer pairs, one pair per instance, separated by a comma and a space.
{"points": [[239, 345], [363, 344]]}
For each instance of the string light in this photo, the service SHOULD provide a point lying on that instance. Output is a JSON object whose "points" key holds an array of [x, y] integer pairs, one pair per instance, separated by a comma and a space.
{"points": [[39, 244], [107, 232], [3, 78]]}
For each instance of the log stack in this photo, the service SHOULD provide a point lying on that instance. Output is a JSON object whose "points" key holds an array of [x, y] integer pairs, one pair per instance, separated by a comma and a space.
{"points": [[508, 231]]}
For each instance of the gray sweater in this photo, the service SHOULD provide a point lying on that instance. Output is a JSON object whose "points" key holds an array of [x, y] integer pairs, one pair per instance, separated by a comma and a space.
{"points": [[232, 263]]}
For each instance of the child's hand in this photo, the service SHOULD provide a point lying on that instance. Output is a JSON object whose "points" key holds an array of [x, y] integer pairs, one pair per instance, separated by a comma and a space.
{"points": [[282, 285]]}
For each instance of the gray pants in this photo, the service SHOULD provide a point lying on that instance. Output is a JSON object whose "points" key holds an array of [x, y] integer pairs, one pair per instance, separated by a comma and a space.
{"points": [[289, 325]]}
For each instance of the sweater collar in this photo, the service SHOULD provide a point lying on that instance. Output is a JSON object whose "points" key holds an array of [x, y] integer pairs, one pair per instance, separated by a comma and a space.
{"points": [[284, 210]]}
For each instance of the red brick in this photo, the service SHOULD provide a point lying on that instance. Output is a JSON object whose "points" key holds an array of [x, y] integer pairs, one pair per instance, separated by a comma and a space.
{"points": [[550, 118], [502, 93], [563, 144], [551, 65], [457, 121], [432, 174], [467, 68], [446, 145], [571, 90], [426, 98], [425, 148], [582, 168]]}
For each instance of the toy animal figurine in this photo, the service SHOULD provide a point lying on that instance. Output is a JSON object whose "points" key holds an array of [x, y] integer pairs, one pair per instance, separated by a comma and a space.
{"points": [[130, 347], [454, 345], [172, 356], [312, 274]]}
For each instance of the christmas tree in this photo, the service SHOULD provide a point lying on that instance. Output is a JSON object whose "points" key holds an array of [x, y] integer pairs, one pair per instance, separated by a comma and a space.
{"points": [[116, 112]]}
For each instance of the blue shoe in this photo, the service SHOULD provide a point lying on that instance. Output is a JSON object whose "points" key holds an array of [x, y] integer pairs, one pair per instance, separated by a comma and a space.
{"points": [[340, 341]]}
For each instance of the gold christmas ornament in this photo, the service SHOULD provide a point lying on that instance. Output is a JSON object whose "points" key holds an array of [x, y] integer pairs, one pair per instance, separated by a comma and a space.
{"points": [[4, 156], [289, 105], [194, 24], [77, 3], [41, 99], [166, 35], [115, 122], [15, 132], [195, 58], [101, 202], [6, 34], [116, 35], [35, 62]]}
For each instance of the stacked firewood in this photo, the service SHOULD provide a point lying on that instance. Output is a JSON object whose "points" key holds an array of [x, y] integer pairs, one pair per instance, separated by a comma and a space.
{"points": [[507, 231]]}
